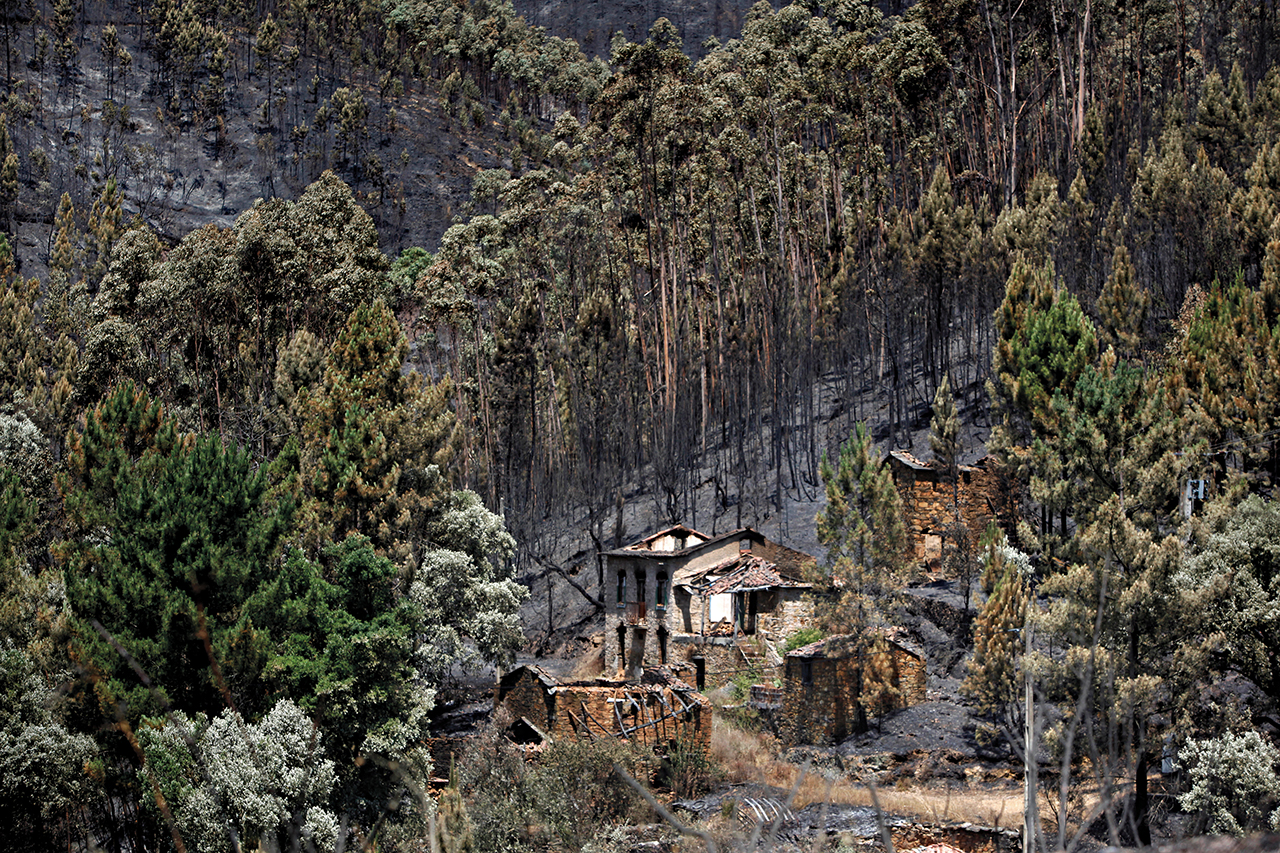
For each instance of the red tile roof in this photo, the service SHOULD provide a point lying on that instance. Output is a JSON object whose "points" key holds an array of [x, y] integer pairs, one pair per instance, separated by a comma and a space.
{"points": [[750, 573]]}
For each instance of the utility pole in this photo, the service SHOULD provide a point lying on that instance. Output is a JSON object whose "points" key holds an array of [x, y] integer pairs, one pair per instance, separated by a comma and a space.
{"points": [[1028, 749]]}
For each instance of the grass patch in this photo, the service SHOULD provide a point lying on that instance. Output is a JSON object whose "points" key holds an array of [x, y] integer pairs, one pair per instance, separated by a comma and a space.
{"points": [[749, 756], [800, 638]]}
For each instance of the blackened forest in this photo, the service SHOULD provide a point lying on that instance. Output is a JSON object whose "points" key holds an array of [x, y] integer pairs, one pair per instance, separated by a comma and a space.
{"points": [[315, 445]]}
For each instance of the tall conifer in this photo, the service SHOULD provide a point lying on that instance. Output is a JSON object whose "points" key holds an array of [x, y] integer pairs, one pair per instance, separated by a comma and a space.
{"points": [[863, 530]]}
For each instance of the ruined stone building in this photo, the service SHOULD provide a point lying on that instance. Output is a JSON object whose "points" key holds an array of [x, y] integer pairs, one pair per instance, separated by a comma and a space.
{"points": [[823, 697], [658, 709], [928, 497], [709, 606]]}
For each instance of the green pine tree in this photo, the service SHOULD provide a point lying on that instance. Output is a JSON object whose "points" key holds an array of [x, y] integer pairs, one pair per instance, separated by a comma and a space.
{"points": [[879, 689], [1223, 121], [864, 533], [944, 436], [994, 679], [374, 436], [168, 536], [1122, 306]]}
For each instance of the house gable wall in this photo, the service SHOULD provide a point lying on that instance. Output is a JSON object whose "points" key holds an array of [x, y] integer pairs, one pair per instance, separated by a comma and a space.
{"points": [[528, 697]]}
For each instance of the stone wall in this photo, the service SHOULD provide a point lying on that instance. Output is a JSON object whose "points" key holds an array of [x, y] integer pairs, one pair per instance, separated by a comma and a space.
{"points": [[530, 698], [822, 700], [910, 675], [651, 714], [721, 661], [967, 838], [927, 500], [795, 611]]}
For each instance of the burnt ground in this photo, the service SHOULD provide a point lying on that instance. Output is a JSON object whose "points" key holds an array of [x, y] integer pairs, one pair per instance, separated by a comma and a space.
{"points": [[936, 739], [562, 624], [179, 172]]}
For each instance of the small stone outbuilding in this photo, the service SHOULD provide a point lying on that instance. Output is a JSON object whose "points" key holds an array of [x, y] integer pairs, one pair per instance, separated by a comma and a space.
{"points": [[823, 692], [928, 497]]}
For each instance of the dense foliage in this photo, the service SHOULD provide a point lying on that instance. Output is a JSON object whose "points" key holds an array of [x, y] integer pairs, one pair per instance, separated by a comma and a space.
{"points": [[251, 470]]}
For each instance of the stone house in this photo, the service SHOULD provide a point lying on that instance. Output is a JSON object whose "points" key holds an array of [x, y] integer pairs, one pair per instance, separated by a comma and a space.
{"points": [[710, 606], [822, 694], [928, 497], [658, 709]]}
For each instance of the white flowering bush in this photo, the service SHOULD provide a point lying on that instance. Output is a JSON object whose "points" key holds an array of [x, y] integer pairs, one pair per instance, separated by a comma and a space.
{"points": [[469, 606], [1233, 782], [25, 449], [43, 766], [259, 782], [1012, 556]]}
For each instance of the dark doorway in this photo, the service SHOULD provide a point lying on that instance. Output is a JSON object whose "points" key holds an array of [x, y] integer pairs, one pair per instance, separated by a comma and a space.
{"points": [[622, 647]]}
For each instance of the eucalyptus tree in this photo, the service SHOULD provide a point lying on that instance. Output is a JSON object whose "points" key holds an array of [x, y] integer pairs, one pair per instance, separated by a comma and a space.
{"points": [[220, 305]]}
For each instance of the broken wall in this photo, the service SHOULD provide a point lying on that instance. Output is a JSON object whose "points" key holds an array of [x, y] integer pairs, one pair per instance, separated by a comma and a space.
{"points": [[928, 497], [721, 661], [655, 716], [822, 703]]}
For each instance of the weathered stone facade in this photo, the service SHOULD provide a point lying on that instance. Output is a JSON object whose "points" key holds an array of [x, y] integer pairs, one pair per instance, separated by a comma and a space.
{"points": [[711, 662], [928, 497], [660, 710], [822, 691], [680, 583]]}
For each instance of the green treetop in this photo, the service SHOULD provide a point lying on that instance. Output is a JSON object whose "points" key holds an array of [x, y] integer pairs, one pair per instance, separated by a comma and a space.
{"points": [[944, 433], [372, 434], [863, 530], [169, 536]]}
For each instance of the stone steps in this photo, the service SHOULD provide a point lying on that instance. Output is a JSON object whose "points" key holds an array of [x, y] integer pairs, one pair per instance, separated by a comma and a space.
{"points": [[755, 659]]}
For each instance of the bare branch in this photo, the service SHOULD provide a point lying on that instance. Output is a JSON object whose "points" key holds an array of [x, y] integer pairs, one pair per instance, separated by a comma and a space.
{"points": [[658, 807]]}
